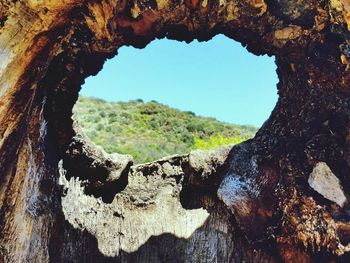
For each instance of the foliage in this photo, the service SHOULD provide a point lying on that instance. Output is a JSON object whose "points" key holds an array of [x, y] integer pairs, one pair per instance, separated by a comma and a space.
{"points": [[151, 130], [215, 141]]}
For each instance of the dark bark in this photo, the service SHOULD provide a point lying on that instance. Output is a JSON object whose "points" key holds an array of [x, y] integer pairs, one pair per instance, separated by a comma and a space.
{"points": [[258, 203]]}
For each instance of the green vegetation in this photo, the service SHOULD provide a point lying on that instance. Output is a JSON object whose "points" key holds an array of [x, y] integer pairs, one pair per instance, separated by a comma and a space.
{"points": [[149, 131], [215, 141]]}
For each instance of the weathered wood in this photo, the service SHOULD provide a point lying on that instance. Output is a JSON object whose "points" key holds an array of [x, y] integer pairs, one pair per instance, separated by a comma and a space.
{"points": [[257, 198]]}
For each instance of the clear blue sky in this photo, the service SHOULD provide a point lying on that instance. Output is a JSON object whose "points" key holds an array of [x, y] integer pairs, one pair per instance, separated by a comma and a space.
{"points": [[218, 78]]}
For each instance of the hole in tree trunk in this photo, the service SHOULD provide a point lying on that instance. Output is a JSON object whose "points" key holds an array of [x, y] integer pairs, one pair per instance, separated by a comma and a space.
{"points": [[169, 94], [259, 187], [211, 78]]}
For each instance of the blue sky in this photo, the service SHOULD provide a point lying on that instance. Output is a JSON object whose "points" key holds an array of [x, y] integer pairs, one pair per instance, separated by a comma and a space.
{"points": [[218, 78]]}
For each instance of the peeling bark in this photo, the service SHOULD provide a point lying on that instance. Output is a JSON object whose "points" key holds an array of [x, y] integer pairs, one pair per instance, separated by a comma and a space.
{"points": [[259, 204]]}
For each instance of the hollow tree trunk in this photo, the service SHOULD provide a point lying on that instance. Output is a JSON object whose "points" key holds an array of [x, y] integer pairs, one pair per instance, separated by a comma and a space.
{"points": [[279, 197]]}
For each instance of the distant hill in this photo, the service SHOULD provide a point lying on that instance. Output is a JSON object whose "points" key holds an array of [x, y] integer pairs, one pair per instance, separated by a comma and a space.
{"points": [[149, 131]]}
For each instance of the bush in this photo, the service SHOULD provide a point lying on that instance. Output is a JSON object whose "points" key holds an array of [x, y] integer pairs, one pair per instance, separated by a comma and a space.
{"points": [[149, 131], [215, 141]]}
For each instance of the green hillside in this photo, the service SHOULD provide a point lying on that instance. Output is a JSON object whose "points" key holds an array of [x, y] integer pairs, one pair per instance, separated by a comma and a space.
{"points": [[149, 131]]}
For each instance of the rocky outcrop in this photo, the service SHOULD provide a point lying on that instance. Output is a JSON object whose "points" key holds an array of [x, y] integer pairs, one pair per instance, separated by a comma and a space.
{"points": [[63, 200]]}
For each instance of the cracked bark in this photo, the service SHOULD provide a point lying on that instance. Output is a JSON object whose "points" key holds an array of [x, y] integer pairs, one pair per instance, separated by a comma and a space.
{"points": [[250, 203]]}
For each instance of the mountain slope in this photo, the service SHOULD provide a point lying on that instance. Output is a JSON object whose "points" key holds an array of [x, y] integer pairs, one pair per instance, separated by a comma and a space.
{"points": [[149, 131]]}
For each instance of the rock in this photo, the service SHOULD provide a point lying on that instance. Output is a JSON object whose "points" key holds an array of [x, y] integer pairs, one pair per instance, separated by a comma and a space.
{"points": [[323, 181]]}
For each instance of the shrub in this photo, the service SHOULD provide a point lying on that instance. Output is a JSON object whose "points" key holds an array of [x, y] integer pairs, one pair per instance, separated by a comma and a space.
{"points": [[149, 131], [215, 141]]}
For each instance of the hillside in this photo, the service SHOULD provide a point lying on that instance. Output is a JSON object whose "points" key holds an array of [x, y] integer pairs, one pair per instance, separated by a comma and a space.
{"points": [[149, 131]]}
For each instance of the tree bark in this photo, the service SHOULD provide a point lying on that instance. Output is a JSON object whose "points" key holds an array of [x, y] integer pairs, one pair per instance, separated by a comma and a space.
{"points": [[270, 199]]}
